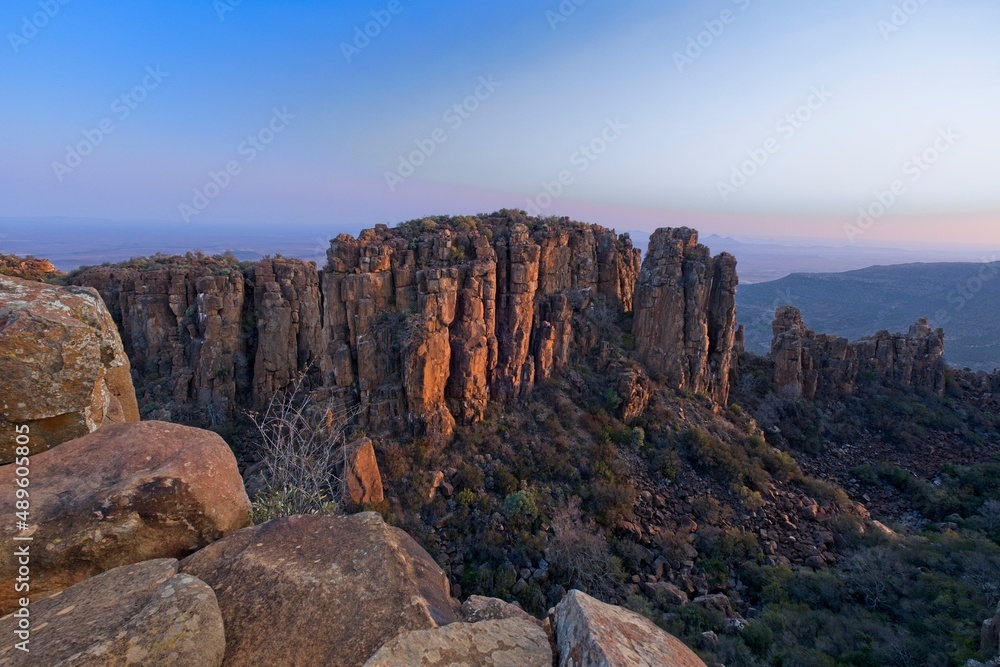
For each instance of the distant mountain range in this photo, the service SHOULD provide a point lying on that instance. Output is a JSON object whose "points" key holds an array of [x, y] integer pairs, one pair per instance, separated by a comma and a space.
{"points": [[962, 298]]}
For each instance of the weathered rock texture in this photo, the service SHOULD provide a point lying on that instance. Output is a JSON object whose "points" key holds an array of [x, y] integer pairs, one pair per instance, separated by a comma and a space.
{"points": [[287, 309], [123, 494], [590, 632], [504, 643], [64, 372], [685, 313], [808, 364], [185, 326], [348, 584], [364, 481], [422, 324], [141, 614]]}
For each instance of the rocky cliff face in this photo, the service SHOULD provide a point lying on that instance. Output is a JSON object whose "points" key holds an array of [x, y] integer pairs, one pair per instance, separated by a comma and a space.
{"points": [[809, 364], [211, 334], [181, 320], [685, 313], [431, 320], [423, 324]]}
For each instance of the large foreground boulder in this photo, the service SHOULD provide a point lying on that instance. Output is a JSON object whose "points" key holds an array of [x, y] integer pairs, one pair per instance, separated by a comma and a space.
{"points": [[141, 614], [123, 494], [64, 370], [318, 590], [510, 642], [592, 633]]}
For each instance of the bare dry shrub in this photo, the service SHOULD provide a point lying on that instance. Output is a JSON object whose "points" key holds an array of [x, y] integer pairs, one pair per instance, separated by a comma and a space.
{"points": [[579, 553], [304, 450]]}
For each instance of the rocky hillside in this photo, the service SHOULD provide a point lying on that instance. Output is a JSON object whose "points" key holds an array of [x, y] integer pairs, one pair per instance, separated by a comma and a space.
{"points": [[544, 413], [134, 546], [961, 298]]}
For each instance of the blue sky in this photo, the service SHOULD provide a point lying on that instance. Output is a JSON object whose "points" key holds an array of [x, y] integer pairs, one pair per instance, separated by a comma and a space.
{"points": [[280, 113]]}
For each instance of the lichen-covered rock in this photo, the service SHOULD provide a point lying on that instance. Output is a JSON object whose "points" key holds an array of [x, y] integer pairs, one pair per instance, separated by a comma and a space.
{"points": [[685, 313], [808, 364], [509, 642], [592, 633], [141, 614], [318, 590], [64, 371], [123, 494]]}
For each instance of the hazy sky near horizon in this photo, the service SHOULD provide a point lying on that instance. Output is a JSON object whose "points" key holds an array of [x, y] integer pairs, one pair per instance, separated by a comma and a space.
{"points": [[779, 118]]}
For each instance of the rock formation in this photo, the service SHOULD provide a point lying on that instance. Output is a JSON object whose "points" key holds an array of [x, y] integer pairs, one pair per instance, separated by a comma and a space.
{"points": [[349, 584], [501, 643], [287, 310], [27, 268], [422, 324], [182, 324], [142, 614], [123, 494], [685, 313], [590, 632], [364, 481], [434, 314], [64, 371], [808, 364]]}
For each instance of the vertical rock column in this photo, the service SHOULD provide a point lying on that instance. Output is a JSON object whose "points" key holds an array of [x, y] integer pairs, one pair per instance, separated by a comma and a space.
{"points": [[685, 314], [517, 282], [287, 311]]}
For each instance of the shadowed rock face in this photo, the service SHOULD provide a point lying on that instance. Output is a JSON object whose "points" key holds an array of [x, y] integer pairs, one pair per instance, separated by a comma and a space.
{"points": [[123, 494], [685, 313], [64, 371], [182, 324], [809, 364], [348, 584]]}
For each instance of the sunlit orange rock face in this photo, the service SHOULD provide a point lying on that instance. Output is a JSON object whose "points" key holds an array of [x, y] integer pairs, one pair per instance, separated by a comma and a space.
{"points": [[430, 323], [424, 324]]}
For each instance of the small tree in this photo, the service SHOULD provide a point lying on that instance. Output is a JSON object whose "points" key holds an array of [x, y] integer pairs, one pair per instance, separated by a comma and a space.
{"points": [[304, 449]]}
